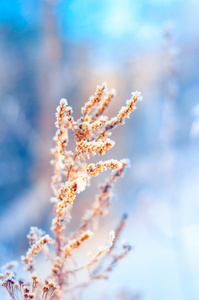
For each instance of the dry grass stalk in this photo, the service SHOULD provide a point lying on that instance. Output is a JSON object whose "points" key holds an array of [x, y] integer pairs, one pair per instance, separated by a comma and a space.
{"points": [[72, 174]]}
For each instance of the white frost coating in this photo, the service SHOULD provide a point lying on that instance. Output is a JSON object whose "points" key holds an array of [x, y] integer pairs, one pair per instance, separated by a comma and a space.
{"points": [[127, 161], [64, 136], [98, 145], [60, 162], [111, 142], [103, 119], [64, 101], [117, 163], [82, 182], [123, 108], [137, 94], [10, 265], [56, 124], [111, 239], [36, 232], [104, 84], [69, 110], [99, 123], [113, 91]]}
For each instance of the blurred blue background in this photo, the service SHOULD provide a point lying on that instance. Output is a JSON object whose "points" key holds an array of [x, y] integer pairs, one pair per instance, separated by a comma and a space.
{"points": [[55, 49]]}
